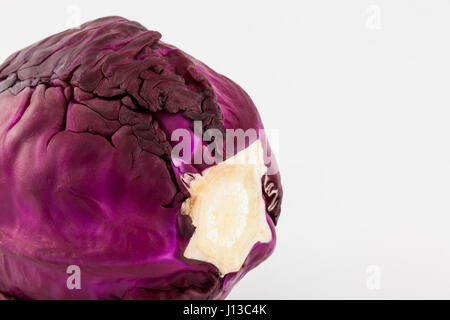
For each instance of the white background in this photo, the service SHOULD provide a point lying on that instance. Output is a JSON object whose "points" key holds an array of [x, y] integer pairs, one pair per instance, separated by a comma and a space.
{"points": [[360, 93]]}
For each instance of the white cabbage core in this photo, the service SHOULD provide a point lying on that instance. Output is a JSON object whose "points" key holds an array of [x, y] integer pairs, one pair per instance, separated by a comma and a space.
{"points": [[227, 208]]}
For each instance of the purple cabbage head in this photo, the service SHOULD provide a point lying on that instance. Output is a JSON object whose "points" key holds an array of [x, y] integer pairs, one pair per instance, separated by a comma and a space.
{"points": [[89, 182]]}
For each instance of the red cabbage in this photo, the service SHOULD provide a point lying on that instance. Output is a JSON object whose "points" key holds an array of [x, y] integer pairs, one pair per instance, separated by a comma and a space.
{"points": [[87, 176]]}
